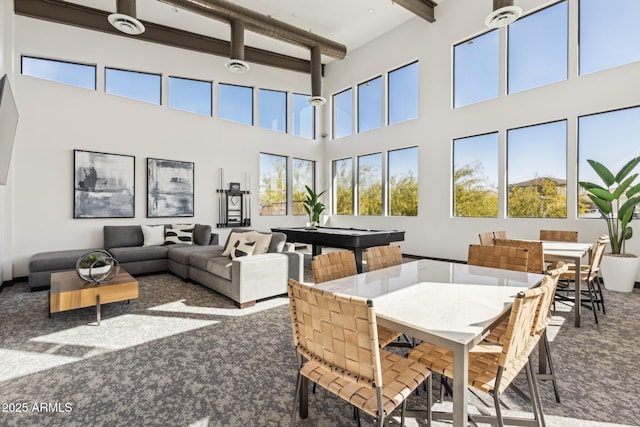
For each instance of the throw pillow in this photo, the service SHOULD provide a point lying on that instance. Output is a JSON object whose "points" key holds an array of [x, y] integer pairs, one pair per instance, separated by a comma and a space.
{"points": [[153, 235], [233, 238], [242, 248], [262, 241], [173, 236]]}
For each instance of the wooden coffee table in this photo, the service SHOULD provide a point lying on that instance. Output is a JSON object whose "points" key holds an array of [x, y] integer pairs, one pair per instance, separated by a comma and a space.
{"points": [[69, 291]]}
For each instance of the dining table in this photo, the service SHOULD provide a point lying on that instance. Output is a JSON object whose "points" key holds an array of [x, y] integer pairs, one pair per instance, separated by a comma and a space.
{"points": [[569, 251], [449, 304]]}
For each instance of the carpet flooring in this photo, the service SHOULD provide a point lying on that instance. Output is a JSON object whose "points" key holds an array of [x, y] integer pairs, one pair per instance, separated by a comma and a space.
{"points": [[182, 355]]}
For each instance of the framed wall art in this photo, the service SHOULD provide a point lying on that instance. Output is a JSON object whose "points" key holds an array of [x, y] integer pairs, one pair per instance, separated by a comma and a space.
{"points": [[104, 185], [169, 188]]}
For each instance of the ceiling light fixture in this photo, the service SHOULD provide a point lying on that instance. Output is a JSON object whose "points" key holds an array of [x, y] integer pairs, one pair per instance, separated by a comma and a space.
{"points": [[504, 13], [124, 19]]}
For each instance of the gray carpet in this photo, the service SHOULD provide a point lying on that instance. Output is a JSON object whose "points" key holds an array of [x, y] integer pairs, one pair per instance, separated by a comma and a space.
{"points": [[181, 355]]}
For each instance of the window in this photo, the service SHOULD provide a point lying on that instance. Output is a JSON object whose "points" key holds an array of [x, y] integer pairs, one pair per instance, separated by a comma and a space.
{"points": [[403, 94], [403, 182], [303, 174], [370, 105], [609, 36], [273, 110], [69, 73], [343, 186], [538, 46], [370, 184], [273, 184], [303, 116], [610, 138], [476, 71], [235, 103], [133, 84], [536, 171], [475, 176], [343, 114], [189, 95]]}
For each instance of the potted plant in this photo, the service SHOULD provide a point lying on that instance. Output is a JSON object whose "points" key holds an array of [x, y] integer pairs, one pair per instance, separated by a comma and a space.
{"points": [[618, 268], [313, 206]]}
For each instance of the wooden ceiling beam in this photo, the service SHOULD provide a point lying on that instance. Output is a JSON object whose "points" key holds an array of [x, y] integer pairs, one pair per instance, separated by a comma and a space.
{"points": [[423, 8]]}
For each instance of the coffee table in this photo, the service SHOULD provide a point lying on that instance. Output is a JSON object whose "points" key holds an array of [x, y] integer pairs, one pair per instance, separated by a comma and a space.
{"points": [[68, 291]]}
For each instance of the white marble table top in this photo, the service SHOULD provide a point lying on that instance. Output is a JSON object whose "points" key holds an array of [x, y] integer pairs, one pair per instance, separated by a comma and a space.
{"points": [[569, 249]]}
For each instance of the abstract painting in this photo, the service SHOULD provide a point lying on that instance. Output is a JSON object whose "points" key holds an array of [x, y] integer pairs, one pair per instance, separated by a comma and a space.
{"points": [[169, 188], [103, 185]]}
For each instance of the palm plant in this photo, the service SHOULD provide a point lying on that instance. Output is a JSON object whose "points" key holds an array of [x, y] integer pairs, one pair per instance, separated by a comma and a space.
{"points": [[616, 212], [312, 205]]}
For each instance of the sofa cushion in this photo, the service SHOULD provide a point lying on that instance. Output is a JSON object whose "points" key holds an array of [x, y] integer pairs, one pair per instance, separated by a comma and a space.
{"points": [[202, 234], [242, 248], [199, 259], [262, 241], [153, 235], [220, 266], [139, 253], [56, 260], [182, 253], [232, 241], [118, 236], [177, 235], [277, 242]]}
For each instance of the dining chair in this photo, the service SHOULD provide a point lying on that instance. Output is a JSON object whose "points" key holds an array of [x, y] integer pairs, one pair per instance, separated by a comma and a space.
{"points": [[539, 331], [492, 368], [336, 339], [559, 235], [501, 234], [505, 257], [589, 275], [486, 239], [336, 265], [379, 257], [535, 260]]}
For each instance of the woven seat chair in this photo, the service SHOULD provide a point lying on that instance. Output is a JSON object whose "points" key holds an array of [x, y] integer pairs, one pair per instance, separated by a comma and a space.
{"points": [[336, 265], [559, 235], [535, 259], [588, 275], [379, 257], [501, 234], [505, 257], [539, 332], [486, 239], [492, 368], [337, 336]]}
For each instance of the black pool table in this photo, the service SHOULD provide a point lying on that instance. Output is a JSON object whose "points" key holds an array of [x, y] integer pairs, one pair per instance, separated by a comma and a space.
{"points": [[354, 239]]}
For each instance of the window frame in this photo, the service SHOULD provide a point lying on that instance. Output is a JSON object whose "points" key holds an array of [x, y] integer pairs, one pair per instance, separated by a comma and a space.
{"points": [[210, 82], [253, 102], [387, 180], [313, 182], [382, 104], [453, 69], [160, 94], [382, 183], [313, 117], [286, 109], [334, 186], [40, 58], [334, 123], [387, 120], [286, 183]]}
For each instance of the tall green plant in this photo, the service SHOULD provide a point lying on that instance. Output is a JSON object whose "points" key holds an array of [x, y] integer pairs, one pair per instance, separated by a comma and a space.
{"points": [[615, 212], [312, 205]]}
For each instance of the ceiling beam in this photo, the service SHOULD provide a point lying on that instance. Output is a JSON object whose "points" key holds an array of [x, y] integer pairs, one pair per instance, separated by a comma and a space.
{"points": [[93, 19], [423, 8]]}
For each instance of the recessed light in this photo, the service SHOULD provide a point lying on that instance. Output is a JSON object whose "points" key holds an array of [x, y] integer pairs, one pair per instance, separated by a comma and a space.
{"points": [[371, 10]]}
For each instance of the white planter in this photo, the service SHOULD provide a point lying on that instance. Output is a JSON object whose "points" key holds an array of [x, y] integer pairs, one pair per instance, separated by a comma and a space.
{"points": [[619, 272]]}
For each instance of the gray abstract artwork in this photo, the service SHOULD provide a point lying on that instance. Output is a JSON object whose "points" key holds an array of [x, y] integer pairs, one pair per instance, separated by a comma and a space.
{"points": [[103, 185], [169, 188]]}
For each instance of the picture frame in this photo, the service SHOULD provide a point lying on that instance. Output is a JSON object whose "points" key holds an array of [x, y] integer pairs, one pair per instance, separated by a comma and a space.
{"points": [[104, 185], [234, 186], [170, 188]]}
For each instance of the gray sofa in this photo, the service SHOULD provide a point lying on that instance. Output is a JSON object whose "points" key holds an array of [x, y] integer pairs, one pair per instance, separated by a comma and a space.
{"points": [[244, 280]]}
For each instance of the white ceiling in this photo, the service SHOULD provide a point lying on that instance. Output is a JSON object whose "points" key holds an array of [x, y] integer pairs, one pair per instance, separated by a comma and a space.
{"points": [[350, 22]]}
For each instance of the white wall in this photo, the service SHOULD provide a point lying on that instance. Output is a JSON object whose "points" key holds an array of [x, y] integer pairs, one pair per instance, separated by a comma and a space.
{"points": [[56, 119], [6, 191], [434, 232]]}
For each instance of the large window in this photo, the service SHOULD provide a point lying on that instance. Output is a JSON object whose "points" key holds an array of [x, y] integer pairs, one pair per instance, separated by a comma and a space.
{"points": [[370, 105], [403, 182], [303, 116], [610, 138], [343, 114], [538, 46], [273, 110], [273, 184], [609, 34], [303, 175], [70, 73], [476, 69], [190, 95], [235, 103], [133, 84], [475, 176], [343, 186], [403, 94], [370, 184], [536, 171]]}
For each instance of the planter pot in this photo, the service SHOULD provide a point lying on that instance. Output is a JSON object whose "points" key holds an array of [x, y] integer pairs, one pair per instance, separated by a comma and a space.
{"points": [[619, 271]]}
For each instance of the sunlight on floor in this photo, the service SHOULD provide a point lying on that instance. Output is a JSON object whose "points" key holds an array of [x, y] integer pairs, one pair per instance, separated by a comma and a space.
{"points": [[181, 307], [16, 363]]}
